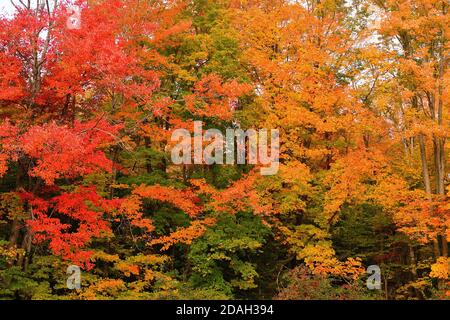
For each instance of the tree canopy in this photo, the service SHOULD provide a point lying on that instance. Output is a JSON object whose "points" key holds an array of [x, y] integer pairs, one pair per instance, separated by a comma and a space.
{"points": [[359, 91]]}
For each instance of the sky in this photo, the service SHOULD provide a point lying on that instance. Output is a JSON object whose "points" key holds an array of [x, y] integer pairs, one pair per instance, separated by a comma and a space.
{"points": [[6, 8]]}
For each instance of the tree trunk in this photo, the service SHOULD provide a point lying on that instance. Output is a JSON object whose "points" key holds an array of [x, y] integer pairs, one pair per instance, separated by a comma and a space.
{"points": [[423, 158], [444, 246], [412, 258], [15, 227], [436, 250]]}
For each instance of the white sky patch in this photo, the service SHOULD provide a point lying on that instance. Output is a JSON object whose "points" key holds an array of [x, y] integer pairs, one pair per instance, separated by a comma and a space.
{"points": [[6, 8]]}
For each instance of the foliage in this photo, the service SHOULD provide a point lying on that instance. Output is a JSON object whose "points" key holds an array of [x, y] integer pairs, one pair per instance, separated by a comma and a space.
{"points": [[358, 91]]}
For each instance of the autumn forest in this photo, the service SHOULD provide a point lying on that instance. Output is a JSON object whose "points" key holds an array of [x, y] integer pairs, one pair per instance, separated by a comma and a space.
{"points": [[91, 93]]}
